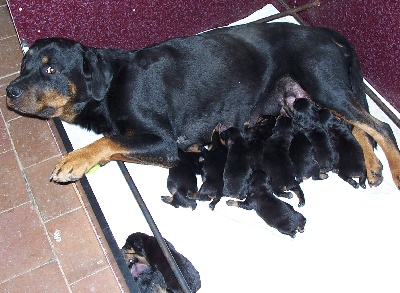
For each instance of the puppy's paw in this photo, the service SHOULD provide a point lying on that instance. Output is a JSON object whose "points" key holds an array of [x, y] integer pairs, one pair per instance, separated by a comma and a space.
{"points": [[232, 203]]}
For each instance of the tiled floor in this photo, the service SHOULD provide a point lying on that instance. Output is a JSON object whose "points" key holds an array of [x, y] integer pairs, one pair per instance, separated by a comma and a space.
{"points": [[50, 240]]}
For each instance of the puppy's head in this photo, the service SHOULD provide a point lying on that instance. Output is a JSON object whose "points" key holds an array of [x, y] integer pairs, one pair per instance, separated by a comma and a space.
{"points": [[135, 257], [56, 79]]}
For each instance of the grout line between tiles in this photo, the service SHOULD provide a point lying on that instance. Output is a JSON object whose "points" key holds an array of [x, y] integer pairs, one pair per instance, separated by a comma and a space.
{"points": [[8, 37], [9, 74], [61, 215], [78, 193], [98, 239], [14, 207], [36, 208], [28, 271], [92, 274], [43, 161]]}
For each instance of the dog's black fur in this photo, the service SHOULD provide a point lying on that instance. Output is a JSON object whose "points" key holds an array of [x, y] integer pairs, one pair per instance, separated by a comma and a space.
{"points": [[214, 160], [306, 119], [350, 161], [146, 247], [275, 212], [302, 155], [257, 135], [276, 162], [182, 181], [152, 101], [237, 168]]}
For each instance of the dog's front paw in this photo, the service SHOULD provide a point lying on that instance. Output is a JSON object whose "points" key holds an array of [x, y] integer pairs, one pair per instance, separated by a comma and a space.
{"points": [[72, 167]]}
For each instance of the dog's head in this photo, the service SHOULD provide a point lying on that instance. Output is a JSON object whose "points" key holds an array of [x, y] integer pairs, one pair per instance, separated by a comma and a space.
{"points": [[57, 78], [135, 257]]}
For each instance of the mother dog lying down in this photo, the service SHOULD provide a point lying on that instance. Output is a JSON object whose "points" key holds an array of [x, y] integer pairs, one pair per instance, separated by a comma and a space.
{"points": [[152, 101]]}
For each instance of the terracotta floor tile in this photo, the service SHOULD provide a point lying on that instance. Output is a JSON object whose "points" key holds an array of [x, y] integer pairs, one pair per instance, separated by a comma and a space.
{"points": [[10, 58], [12, 187], [7, 27], [102, 281], [4, 81], [47, 278], [5, 142], [32, 140], [76, 245], [53, 199], [7, 113], [23, 242]]}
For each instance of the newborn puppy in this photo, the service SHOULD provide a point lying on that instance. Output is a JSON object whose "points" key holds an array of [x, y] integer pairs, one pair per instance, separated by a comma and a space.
{"points": [[305, 117], [146, 259], [214, 159], [276, 213], [257, 135], [351, 161], [182, 181], [302, 155], [237, 168], [276, 162]]}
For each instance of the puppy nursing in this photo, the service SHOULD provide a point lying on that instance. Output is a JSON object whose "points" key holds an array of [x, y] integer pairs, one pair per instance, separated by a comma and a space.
{"points": [[275, 155], [285, 101]]}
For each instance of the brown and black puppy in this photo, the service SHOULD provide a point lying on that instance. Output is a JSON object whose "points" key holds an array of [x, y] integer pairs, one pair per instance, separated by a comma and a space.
{"points": [[143, 254], [350, 162], [214, 160], [275, 212], [237, 168], [182, 181], [153, 101], [147, 278]]}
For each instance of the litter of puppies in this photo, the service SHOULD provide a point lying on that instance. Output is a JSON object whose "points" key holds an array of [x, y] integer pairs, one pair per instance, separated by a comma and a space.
{"points": [[270, 160]]}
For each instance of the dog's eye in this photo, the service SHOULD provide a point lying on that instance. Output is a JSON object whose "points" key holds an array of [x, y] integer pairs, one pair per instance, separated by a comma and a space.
{"points": [[50, 70]]}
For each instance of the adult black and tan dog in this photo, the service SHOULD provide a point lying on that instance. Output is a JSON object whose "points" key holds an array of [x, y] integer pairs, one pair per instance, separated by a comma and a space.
{"points": [[152, 101]]}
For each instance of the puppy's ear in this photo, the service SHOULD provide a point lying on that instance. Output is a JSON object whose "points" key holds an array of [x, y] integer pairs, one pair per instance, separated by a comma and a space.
{"points": [[97, 74]]}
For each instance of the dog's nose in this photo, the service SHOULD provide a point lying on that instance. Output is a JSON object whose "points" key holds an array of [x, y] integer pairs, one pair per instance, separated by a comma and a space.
{"points": [[14, 92]]}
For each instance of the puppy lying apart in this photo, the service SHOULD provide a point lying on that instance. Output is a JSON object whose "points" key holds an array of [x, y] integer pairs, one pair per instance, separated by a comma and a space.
{"points": [[150, 268], [275, 212]]}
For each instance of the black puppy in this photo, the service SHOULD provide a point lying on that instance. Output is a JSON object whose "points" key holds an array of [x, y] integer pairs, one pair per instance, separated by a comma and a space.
{"points": [[152, 101], [350, 155], [306, 119], [276, 162], [302, 155], [143, 253], [275, 212], [182, 181], [237, 168], [214, 159]]}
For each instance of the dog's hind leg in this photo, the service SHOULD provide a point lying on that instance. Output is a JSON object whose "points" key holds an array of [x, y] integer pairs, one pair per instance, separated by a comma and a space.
{"points": [[364, 123]]}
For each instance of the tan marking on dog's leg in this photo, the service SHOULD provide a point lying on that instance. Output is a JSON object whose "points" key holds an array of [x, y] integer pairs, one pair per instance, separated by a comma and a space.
{"points": [[75, 164], [389, 148], [372, 163]]}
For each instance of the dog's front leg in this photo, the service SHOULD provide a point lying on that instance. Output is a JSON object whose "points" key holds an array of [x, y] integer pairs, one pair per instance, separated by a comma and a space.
{"points": [[141, 149]]}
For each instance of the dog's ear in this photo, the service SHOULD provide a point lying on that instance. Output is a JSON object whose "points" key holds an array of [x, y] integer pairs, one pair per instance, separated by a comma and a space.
{"points": [[97, 74]]}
